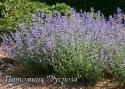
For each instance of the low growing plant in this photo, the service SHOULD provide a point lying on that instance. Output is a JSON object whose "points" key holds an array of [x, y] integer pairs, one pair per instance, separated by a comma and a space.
{"points": [[73, 46], [78, 61]]}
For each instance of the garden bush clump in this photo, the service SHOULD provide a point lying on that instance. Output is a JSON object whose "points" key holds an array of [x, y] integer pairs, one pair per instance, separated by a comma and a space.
{"points": [[15, 12], [78, 45], [108, 7]]}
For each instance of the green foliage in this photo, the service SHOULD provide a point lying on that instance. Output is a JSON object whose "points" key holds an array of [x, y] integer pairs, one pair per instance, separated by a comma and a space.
{"points": [[62, 8], [118, 65], [78, 61], [106, 6], [18, 11], [1, 9], [15, 12]]}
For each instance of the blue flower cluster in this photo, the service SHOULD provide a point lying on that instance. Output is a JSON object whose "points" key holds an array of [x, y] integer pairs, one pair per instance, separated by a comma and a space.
{"points": [[48, 32]]}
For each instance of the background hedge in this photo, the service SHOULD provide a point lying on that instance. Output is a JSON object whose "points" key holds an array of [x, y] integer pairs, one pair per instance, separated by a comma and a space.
{"points": [[106, 6], [15, 12]]}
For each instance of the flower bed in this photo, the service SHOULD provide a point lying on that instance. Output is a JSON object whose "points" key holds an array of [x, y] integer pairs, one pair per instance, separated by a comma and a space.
{"points": [[83, 45]]}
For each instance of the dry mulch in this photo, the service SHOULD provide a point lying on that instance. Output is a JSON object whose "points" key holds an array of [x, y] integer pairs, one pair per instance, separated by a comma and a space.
{"points": [[104, 84]]}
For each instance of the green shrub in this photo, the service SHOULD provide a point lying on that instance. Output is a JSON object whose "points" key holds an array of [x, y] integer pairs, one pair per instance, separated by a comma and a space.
{"points": [[118, 65], [79, 61], [106, 6], [1, 9], [62, 8], [20, 11], [115, 67]]}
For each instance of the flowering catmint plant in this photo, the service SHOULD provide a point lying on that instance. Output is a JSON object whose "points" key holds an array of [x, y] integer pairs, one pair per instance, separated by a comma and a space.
{"points": [[69, 43]]}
